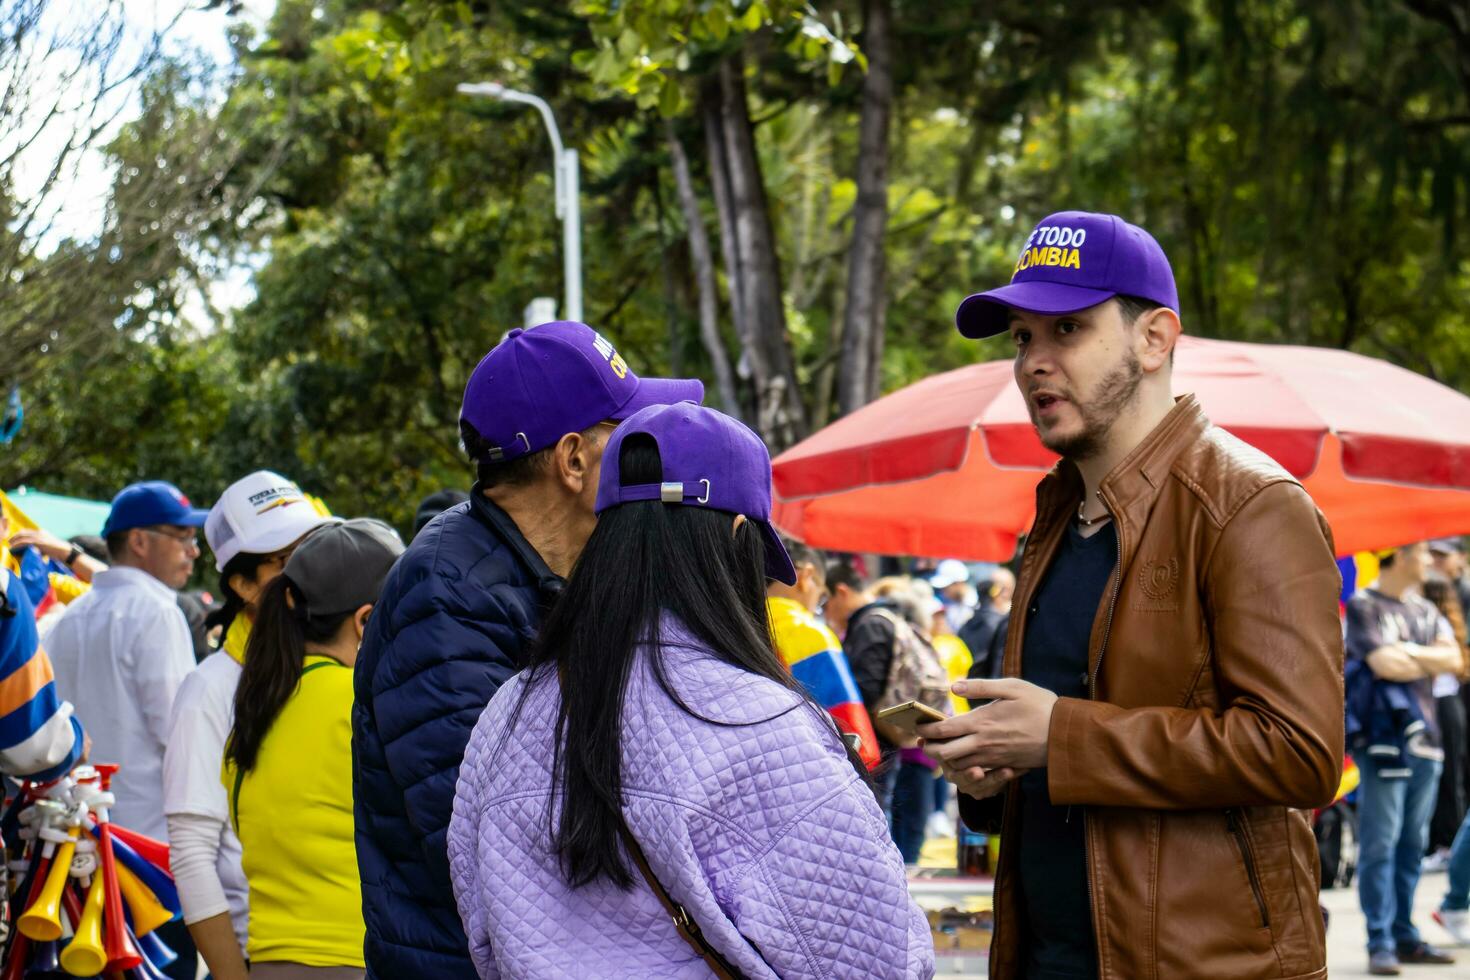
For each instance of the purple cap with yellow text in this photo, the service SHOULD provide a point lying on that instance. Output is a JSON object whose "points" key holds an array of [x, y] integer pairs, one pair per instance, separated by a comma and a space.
{"points": [[538, 385], [1074, 260]]}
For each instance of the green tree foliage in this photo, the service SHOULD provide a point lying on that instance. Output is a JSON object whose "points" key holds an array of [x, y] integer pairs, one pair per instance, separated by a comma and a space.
{"points": [[1303, 162]]}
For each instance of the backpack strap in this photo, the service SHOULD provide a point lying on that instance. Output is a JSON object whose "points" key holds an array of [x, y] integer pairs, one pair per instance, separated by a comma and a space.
{"points": [[688, 929]]}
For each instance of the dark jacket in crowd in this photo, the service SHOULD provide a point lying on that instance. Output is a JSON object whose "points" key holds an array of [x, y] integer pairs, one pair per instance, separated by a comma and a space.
{"points": [[985, 636], [1381, 719], [869, 645], [455, 617]]}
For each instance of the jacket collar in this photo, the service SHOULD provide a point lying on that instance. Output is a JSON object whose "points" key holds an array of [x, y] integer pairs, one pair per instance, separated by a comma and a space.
{"points": [[548, 583]]}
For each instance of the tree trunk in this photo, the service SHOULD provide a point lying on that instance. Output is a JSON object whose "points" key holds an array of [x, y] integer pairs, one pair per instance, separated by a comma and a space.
{"points": [[704, 275], [780, 417], [859, 372], [719, 179]]}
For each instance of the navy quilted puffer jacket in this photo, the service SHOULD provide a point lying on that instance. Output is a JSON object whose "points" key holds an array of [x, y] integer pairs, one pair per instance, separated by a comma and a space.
{"points": [[452, 624]]}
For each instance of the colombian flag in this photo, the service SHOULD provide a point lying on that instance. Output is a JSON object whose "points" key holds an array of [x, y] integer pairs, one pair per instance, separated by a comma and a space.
{"points": [[46, 582], [814, 655]]}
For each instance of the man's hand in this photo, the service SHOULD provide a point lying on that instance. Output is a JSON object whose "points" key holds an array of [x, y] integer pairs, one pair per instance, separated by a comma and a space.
{"points": [[980, 784], [1009, 733]]}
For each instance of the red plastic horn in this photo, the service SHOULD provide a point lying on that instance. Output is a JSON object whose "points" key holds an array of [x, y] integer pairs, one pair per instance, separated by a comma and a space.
{"points": [[121, 953], [71, 904]]}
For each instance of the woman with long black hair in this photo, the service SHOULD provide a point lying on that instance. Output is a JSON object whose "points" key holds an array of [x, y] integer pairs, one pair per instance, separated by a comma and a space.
{"points": [[655, 795], [288, 762]]}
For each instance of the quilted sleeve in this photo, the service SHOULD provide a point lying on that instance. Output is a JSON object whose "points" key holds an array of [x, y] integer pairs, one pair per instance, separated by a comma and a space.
{"points": [[425, 717], [464, 855], [829, 897]]}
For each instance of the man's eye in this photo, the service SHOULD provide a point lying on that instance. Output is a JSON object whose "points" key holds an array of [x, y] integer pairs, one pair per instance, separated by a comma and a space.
{"points": [[1020, 337], [1067, 326]]}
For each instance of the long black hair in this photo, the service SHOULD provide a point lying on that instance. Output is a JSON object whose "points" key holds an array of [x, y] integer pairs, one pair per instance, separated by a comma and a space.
{"points": [[643, 560], [274, 657], [246, 565]]}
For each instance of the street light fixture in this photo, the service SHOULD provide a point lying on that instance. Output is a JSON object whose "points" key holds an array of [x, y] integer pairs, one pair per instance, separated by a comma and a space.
{"points": [[567, 173]]}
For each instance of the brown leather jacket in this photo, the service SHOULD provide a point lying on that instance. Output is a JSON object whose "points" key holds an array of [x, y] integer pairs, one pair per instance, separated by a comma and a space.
{"points": [[1215, 719]]}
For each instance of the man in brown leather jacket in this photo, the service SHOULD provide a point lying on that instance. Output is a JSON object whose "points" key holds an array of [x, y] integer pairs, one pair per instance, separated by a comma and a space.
{"points": [[1172, 700]]}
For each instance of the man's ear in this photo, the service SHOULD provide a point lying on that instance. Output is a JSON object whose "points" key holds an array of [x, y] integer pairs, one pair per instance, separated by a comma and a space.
{"points": [[573, 461], [1158, 331]]}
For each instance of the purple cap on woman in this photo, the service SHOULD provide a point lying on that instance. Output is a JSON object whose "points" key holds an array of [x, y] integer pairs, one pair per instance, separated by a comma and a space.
{"points": [[709, 460]]}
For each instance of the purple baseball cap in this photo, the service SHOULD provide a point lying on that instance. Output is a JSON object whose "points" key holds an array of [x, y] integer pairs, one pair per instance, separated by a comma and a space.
{"points": [[709, 460], [537, 385], [1073, 260]]}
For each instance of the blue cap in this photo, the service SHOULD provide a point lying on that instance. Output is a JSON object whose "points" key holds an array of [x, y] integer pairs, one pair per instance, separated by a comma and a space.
{"points": [[149, 503], [539, 384]]}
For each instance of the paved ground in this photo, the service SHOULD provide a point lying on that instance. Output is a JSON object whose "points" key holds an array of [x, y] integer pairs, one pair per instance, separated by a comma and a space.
{"points": [[1346, 950]]}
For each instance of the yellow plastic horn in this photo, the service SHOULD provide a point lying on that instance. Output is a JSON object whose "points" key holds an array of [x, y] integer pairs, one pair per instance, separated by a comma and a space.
{"points": [[84, 955], [42, 921], [148, 912]]}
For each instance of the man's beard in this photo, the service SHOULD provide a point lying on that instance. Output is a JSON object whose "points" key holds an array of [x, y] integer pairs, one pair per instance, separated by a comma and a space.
{"points": [[1115, 392]]}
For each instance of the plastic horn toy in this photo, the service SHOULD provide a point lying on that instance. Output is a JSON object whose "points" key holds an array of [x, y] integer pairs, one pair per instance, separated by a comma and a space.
{"points": [[155, 951], [121, 953], [154, 851], [85, 956], [145, 970], [147, 911], [42, 921], [46, 815], [158, 881], [44, 961], [71, 904]]}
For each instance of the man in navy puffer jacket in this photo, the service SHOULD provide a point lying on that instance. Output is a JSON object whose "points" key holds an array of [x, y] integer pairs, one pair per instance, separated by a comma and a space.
{"points": [[458, 611]]}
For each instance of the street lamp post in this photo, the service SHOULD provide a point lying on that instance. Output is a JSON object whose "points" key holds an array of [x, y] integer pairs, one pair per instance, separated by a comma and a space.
{"points": [[567, 173]]}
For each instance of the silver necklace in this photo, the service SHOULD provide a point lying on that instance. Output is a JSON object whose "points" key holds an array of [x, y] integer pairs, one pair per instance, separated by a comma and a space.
{"points": [[1090, 521]]}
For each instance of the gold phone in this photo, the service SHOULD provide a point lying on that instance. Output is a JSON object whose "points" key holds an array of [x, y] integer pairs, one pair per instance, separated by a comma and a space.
{"points": [[907, 716]]}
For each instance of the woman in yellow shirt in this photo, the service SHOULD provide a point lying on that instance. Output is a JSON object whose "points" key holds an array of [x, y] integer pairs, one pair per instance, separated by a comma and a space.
{"points": [[288, 764]]}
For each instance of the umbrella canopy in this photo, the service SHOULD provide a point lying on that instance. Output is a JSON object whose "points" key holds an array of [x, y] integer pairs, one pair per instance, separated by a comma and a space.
{"points": [[949, 465], [62, 516]]}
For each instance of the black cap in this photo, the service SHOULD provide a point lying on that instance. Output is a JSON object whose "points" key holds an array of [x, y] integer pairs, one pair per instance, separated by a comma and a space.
{"points": [[341, 566]]}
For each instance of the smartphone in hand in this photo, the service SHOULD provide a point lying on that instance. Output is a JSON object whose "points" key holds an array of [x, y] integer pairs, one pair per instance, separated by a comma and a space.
{"points": [[908, 716]]}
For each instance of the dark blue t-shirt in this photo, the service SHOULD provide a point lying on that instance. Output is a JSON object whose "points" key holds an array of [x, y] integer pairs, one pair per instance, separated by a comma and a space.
{"points": [[1053, 865]]}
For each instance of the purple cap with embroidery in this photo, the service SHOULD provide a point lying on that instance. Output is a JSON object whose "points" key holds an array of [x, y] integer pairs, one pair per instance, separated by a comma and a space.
{"points": [[539, 384], [709, 460], [1073, 260]]}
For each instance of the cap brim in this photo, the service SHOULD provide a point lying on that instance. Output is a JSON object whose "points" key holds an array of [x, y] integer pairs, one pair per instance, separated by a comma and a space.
{"points": [[193, 518], [778, 562], [661, 391], [985, 314]]}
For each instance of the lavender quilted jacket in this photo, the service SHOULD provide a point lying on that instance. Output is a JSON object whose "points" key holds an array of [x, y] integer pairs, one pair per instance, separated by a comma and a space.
{"points": [[762, 831]]}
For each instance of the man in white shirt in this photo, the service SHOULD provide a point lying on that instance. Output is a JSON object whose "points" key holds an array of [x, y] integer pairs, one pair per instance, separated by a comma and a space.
{"points": [[121, 651], [252, 529]]}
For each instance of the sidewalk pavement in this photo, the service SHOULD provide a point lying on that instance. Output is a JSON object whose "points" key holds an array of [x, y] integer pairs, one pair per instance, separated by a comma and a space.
{"points": [[1347, 954]]}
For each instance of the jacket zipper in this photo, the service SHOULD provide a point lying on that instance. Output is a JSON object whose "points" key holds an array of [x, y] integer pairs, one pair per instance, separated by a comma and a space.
{"points": [[1243, 841]]}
